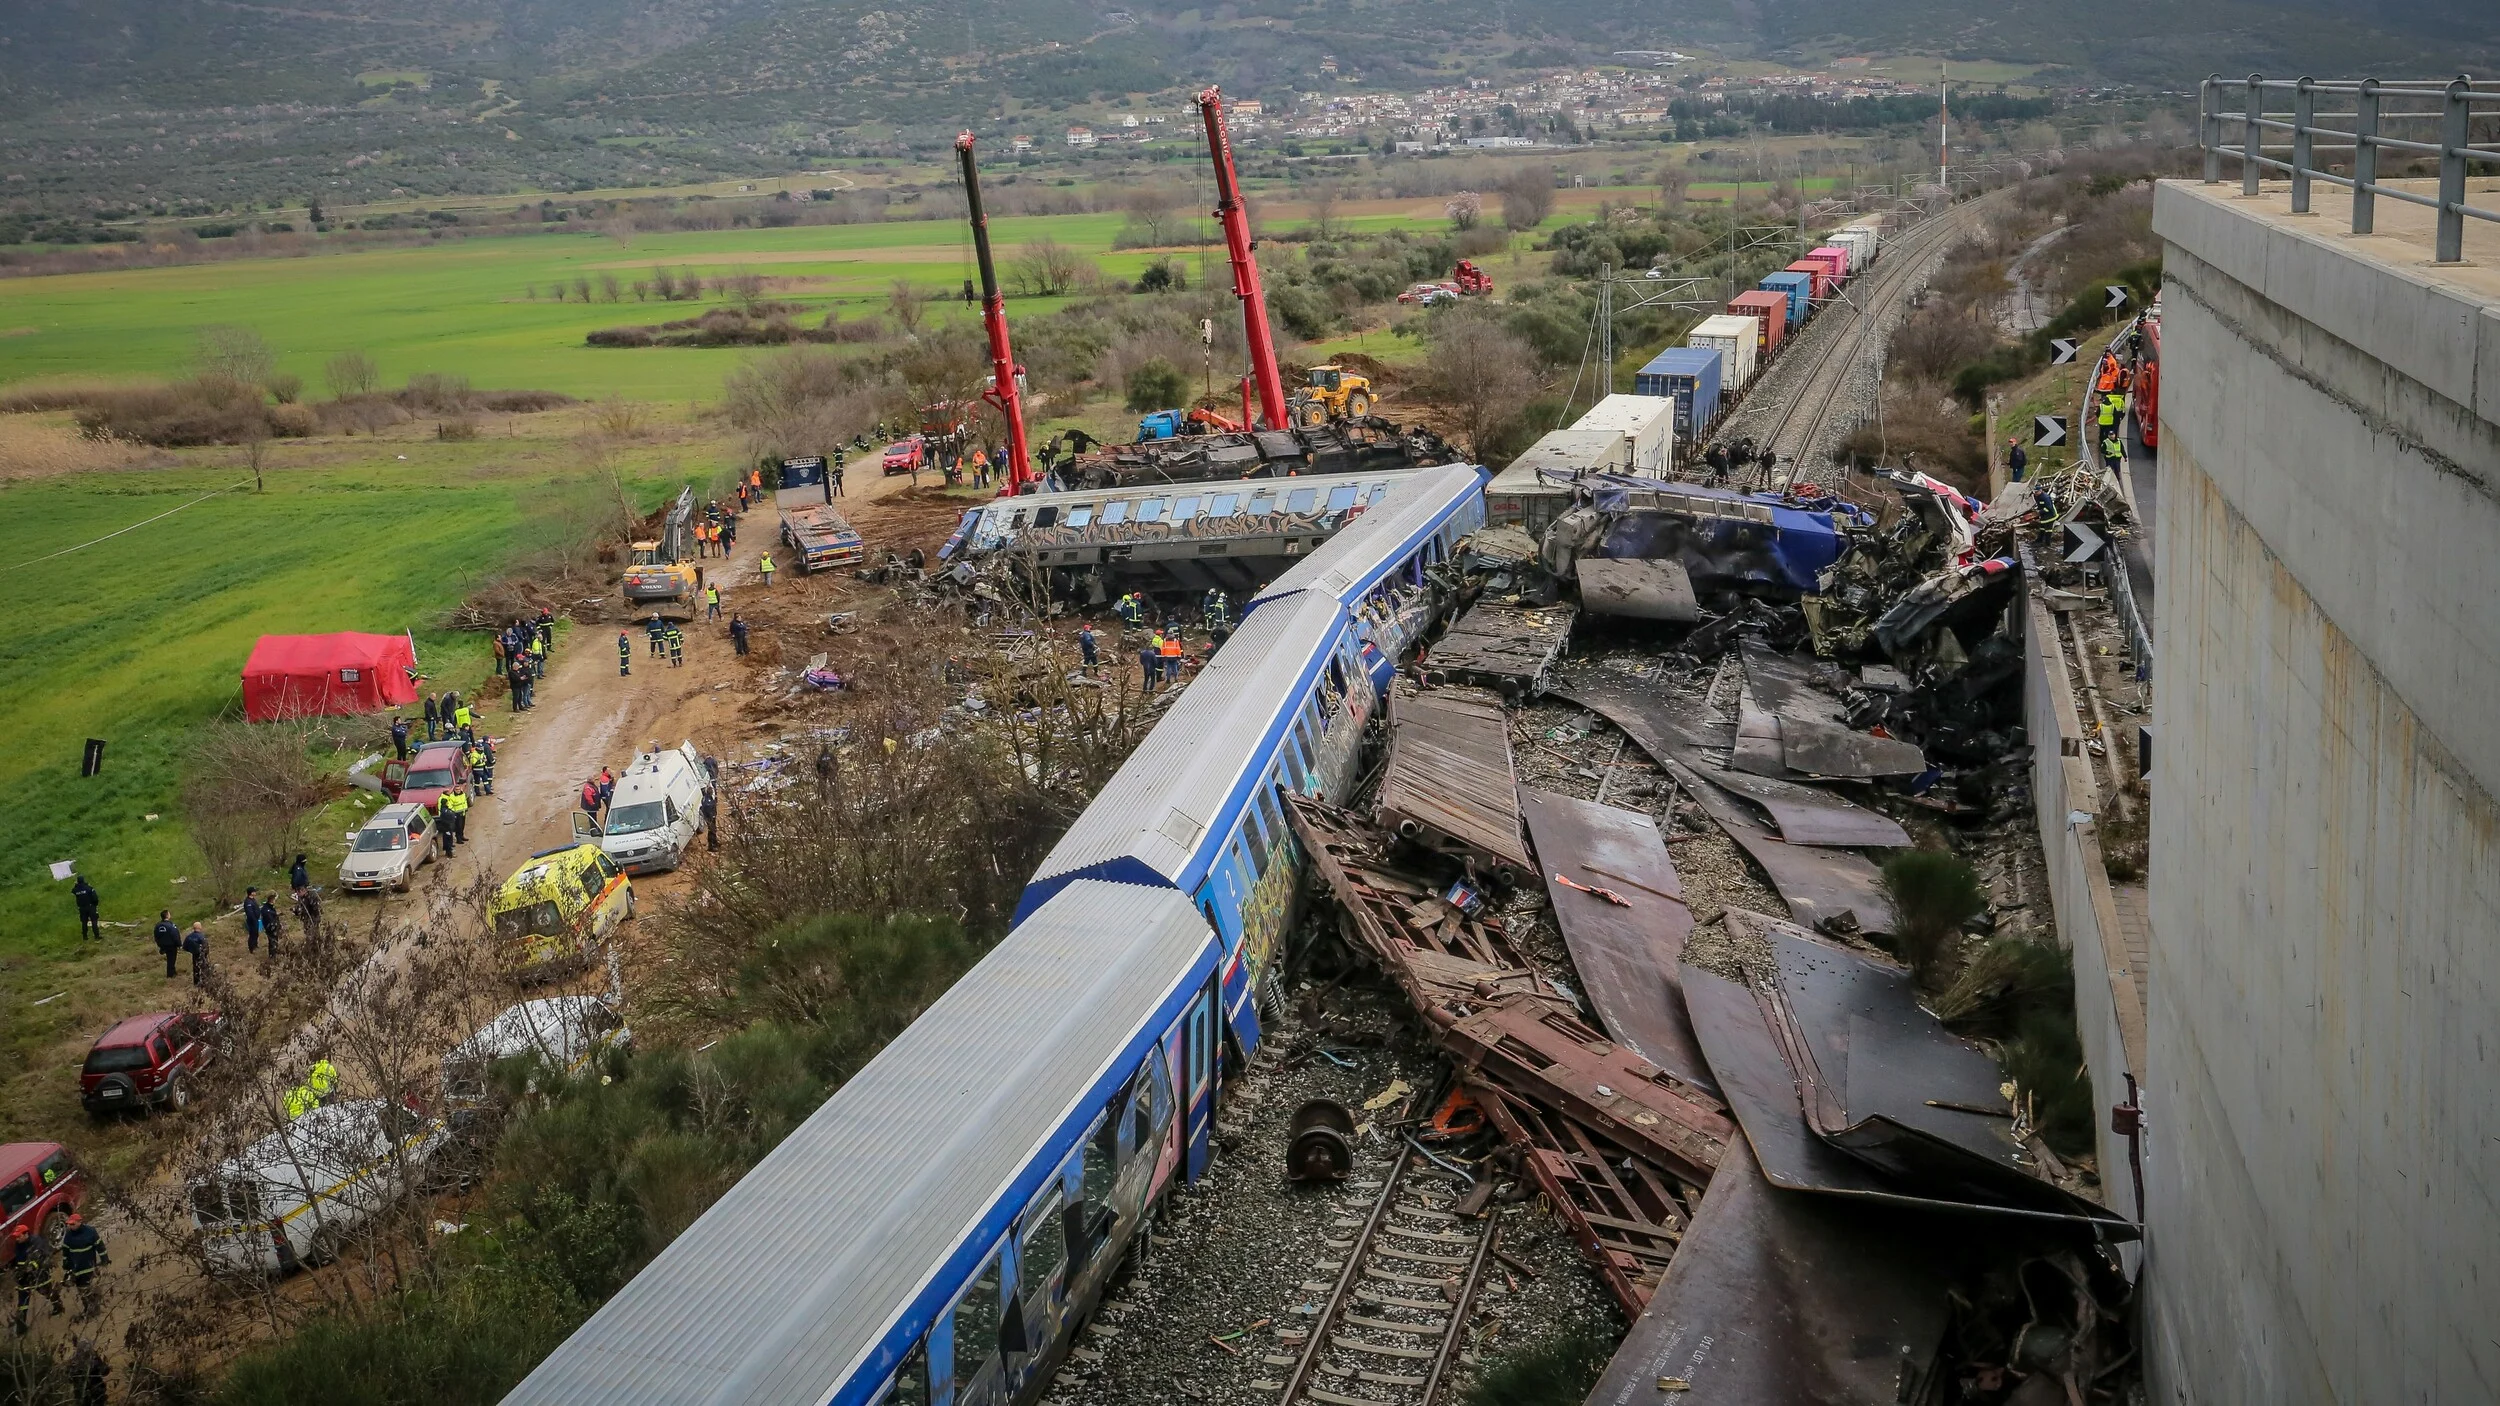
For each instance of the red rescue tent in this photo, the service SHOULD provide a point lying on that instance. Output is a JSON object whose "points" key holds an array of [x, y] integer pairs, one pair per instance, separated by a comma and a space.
{"points": [[301, 676]]}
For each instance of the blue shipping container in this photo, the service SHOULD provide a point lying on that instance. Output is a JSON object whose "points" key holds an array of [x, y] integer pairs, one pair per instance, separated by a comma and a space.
{"points": [[1691, 375], [1800, 290]]}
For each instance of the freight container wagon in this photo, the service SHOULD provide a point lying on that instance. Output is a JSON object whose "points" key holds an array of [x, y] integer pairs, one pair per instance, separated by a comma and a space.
{"points": [[1690, 376], [1732, 336], [1799, 290], [1872, 226], [1836, 256], [1820, 271], [1769, 309], [1861, 247]]}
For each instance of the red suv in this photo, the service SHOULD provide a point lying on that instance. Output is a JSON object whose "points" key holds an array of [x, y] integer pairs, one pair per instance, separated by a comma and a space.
{"points": [[147, 1061], [907, 455], [39, 1187], [433, 769]]}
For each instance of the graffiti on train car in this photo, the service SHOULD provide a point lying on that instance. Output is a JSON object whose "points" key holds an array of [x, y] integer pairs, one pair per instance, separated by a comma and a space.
{"points": [[1268, 909]]}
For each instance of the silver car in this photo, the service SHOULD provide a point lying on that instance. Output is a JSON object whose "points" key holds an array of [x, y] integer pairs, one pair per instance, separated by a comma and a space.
{"points": [[387, 851]]}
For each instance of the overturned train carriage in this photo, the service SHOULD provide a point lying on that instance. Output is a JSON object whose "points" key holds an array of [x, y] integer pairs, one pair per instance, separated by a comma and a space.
{"points": [[939, 1230], [1362, 445]]}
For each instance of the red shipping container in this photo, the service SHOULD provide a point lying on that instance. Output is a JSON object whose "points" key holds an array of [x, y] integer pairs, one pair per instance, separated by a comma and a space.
{"points": [[1771, 309], [1824, 278]]}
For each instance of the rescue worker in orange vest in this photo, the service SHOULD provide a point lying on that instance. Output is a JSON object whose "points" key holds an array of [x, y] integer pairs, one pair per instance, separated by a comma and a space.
{"points": [[1169, 646]]}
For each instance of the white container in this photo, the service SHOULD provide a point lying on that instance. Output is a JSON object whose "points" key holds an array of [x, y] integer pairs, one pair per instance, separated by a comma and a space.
{"points": [[1644, 427], [1872, 226], [1861, 246], [1736, 339]]}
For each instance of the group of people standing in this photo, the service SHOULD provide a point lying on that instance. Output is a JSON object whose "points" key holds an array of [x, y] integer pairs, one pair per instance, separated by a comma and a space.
{"points": [[1160, 652]]}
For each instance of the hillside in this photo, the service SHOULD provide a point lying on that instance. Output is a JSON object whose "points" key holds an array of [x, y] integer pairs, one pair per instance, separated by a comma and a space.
{"points": [[148, 104]]}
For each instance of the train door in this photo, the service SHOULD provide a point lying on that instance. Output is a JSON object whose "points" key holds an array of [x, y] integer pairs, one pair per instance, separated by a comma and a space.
{"points": [[1198, 1065]]}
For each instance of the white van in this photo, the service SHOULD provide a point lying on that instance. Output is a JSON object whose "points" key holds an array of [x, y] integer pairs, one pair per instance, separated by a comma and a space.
{"points": [[297, 1195], [655, 814], [567, 1031]]}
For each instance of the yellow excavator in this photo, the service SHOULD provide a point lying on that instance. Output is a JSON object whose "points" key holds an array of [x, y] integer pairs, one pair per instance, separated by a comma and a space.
{"points": [[1334, 393], [658, 572]]}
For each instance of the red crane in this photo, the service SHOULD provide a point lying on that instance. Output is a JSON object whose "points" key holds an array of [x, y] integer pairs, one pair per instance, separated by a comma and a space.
{"points": [[1005, 390], [1273, 408]]}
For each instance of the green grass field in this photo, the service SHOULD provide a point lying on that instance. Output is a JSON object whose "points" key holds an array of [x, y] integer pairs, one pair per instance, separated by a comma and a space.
{"points": [[139, 639], [463, 306]]}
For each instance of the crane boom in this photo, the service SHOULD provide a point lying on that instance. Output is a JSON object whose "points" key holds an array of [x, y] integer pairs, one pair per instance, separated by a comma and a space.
{"points": [[1005, 390], [1274, 410]]}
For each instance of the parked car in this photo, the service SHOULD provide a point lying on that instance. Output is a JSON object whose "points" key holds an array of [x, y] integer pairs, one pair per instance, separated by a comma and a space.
{"points": [[553, 908], [148, 1061], [907, 455], [568, 1032], [296, 1196], [431, 770], [655, 814], [39, 1187], [388, 850]]}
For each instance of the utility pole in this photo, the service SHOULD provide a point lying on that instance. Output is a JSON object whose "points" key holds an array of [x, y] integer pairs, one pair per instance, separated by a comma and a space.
{"points": [[1606, 328], [1944, 132]]}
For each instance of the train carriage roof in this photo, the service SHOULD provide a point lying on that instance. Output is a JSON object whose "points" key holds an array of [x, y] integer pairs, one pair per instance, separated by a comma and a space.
{"points": [[786, 1285], [1354, 560], [1192, 774]]}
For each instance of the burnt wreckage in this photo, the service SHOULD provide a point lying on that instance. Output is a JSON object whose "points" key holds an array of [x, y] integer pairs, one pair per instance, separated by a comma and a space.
{"points": [[1358, 445]]}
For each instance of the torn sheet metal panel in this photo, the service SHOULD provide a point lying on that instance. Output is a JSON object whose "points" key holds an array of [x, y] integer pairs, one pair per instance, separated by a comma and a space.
{"points": [[1449, 783], [1508, 647], [1777, 1297], [1817, 884], [1549, 1058], [1805, 816], [1791, 719], [1754, 1057], [1883, 1080], [1627, 955], [1639, 590]]}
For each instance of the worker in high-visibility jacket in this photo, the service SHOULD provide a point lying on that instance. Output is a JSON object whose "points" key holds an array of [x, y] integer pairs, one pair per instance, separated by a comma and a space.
{"points": [[455, 825], [1170, 649], [766, 566], [323, 1077]]}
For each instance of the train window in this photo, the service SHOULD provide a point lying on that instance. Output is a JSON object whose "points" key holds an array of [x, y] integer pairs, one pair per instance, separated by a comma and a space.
{"points": [[1301, 500], [1263, 501], [1043, 1251], [976, 1328], [1089, 1220], [1379, 491], [1341, 497], [1224, 505], [1152, 509], [1080, 515], [1046, 516], [1018, 519], [1268, 812], [910, 1386], [1185, 509], [1302, 752], [1115, 512]]}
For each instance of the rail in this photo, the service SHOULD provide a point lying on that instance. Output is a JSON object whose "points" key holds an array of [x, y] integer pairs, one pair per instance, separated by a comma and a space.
{"points": [[2357, 121]]}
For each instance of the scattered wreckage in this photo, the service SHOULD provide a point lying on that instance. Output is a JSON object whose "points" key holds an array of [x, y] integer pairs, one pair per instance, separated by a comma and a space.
{"points": [[1363, 444]]}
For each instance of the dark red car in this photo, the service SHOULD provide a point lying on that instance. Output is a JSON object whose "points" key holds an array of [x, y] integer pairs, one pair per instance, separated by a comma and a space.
{"points": [[39, 1187], [147, 1061], [429, 771]]}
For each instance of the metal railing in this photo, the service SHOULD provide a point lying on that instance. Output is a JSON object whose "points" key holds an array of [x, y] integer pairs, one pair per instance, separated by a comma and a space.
{"points": [[2357, 123]]}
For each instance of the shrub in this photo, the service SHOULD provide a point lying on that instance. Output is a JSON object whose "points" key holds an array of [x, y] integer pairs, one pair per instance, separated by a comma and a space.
{"points": [[286, 388], [1156, 384], [456, 429], [1932, 894], [292, 421], [1558, 1371], [436, 393]]}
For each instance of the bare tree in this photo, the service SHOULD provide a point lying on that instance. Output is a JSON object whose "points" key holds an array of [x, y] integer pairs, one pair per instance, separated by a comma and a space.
{"points": [[253, 434], [581, 288], [1527, 198], [1673, 180], [608, 288], [1324, 197], [237, 354], [1155, 209], [1046, 268], [1466, 210], [794, 402], [907, 304], [1480, 371], [351, 373]]}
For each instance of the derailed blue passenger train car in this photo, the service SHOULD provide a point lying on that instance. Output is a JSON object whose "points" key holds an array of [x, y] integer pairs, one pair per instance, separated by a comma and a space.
{"points": [[937, 1232]]}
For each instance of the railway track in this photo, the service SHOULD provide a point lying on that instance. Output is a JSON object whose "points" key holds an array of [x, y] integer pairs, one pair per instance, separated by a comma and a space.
{"points": [[1805, 413], [1397, 1312]]}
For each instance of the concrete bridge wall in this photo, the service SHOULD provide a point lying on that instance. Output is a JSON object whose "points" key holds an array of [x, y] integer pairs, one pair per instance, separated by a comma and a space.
{"points": [[2323, 1152]]}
